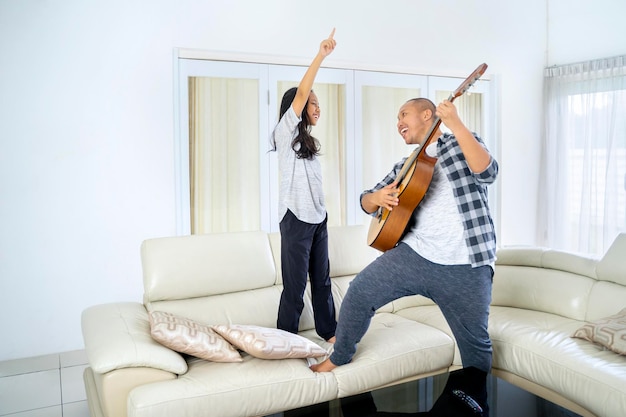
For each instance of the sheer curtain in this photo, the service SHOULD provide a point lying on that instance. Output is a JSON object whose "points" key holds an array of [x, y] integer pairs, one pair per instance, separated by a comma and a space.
{"points": [[583, 193], [224, 155]]}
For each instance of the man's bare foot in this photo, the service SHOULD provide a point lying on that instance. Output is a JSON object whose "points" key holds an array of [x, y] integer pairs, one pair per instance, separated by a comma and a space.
{"points": [[332, 340], [325, 366]]}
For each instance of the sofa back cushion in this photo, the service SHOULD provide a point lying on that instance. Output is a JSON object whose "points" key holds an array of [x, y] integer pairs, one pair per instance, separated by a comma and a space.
{"points": [[572, 285], [348, 252], [612, 266], [186, 267], [201, 277], [608, 296], [258, 307], [544, 280]]}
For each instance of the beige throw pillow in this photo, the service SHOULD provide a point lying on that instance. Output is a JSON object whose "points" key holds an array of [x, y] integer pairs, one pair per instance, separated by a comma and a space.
{"points": [[609, 332], [267, 343], [195, 339]]}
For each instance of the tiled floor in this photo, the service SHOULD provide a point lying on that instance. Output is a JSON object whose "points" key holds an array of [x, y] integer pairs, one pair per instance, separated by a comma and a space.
{"points": [[44, 386]]}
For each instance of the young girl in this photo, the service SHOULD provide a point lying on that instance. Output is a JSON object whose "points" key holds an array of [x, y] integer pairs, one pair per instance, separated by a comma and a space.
{"points": [[303, 231]]}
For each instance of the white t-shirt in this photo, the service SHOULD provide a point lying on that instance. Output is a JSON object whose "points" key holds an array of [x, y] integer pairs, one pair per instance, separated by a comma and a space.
{"points": [[437, 233], [300, 179]]}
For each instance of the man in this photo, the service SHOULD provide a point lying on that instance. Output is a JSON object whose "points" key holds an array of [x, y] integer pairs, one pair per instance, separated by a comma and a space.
{"points": [[447, 253]]}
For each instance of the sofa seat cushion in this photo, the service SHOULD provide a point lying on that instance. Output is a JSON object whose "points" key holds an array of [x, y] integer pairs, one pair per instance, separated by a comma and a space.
{"points": [[394, 348], [431, 315], [254, 387], [538, 346]]}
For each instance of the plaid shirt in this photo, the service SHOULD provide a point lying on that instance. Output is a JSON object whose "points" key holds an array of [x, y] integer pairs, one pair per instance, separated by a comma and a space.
{"points": [[470, 193]]}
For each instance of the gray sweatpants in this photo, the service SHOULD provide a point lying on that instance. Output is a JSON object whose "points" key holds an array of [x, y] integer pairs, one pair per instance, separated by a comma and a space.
{"points": [[463, 293]]}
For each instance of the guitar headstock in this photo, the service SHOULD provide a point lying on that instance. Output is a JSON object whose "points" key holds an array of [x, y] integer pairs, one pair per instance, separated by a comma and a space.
{"points": [[469, 81]]}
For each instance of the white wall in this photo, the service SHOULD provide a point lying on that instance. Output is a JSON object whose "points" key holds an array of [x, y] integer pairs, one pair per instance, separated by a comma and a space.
{"points": [[86, 123], [580, 30]]}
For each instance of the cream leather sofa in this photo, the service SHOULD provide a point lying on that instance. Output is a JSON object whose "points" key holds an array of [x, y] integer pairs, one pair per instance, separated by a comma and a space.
{"points": [[540, 298]]}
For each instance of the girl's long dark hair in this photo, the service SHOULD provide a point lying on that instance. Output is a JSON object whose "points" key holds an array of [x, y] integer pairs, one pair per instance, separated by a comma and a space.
{"points": [[308, 145]]}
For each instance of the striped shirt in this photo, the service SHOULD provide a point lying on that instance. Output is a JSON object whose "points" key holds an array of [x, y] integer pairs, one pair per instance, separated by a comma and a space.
{"points": [[470, 194]]}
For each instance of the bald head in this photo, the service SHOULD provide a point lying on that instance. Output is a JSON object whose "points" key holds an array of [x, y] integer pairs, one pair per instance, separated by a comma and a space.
{"points": [[415, 118], [422, 104]]}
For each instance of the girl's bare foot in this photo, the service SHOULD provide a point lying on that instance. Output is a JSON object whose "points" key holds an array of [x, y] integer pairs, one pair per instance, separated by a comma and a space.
{"points": [[325, 366]]}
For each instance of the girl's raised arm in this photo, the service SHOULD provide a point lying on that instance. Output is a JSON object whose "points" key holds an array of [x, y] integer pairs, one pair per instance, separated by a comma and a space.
{"points": [[306, 84]]}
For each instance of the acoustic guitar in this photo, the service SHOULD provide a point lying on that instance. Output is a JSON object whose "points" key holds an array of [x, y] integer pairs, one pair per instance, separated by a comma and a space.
{"points": [[388, 227]]}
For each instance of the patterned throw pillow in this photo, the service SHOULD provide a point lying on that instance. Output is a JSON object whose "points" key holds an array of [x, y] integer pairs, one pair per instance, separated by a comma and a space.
{"points": [[195, 339], [609, 332], [266, 343]]}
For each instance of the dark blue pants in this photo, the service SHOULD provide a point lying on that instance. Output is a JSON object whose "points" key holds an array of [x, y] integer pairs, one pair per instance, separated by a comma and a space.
{"points": [[304, 250], [463, 293]]}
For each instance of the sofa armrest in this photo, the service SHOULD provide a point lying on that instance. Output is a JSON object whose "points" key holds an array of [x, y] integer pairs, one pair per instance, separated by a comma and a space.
{"points": [[118, 336]]}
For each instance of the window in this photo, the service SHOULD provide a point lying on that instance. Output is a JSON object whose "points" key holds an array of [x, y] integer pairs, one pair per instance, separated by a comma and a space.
{"points": [[227, 180], [583, 194], [220, 162]]}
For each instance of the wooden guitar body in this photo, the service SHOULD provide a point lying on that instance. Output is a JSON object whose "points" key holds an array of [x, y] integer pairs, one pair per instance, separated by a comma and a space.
{"points": [[387, 227]]}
